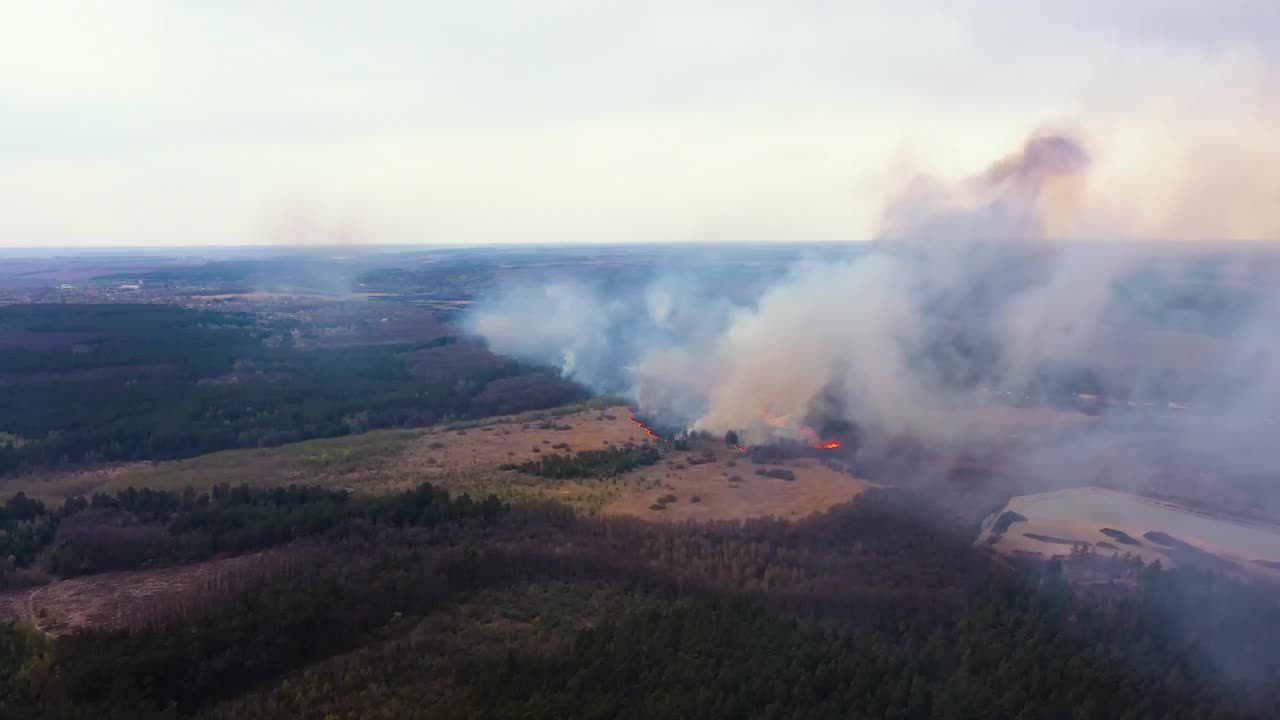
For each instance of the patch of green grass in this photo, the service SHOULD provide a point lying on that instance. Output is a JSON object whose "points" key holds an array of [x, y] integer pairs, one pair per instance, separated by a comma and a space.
{"points": [[332, 462]]}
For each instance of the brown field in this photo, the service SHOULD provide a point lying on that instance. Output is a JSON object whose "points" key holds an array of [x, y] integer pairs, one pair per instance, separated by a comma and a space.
{"points": [[465, 457], [705, 491]]}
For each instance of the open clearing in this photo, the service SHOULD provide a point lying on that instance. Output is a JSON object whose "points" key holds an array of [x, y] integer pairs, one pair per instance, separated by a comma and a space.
{"points": [[466, 457], [359, 461], [120, 599], [1149, 528], [717, 490]]}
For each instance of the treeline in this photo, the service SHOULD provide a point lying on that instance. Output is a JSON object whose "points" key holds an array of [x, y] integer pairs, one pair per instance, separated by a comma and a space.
{"points": [[26, 526], [610, 462], [201, 381], [140, 528]]}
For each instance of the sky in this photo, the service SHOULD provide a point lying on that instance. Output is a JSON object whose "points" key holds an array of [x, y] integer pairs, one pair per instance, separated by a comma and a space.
{"points": [[228, 122]]}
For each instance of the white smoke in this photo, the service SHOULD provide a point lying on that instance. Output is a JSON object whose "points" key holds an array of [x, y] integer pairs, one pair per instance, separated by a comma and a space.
{"points": [[975, 296]]}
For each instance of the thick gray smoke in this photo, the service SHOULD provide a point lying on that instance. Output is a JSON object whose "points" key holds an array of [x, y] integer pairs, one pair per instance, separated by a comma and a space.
{"points": [[974, 299]]}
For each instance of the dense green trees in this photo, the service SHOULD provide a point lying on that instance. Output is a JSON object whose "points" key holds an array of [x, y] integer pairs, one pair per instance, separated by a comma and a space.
{"points": [[163, 382]]}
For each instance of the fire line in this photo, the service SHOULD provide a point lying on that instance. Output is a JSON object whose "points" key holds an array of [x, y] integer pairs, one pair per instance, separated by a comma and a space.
{"points": [[632, 417]]}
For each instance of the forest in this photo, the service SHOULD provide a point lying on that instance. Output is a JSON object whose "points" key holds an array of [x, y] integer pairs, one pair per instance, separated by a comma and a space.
{"points": [[869, 611], [149, 528], [159, 382]]}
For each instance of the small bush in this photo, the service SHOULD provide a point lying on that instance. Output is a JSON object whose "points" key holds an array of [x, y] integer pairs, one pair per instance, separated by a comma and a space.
{"points": [[695, 499], [779, 473]]}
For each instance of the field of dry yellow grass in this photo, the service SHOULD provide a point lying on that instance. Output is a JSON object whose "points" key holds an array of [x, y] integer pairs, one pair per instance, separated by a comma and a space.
{"points": [[467, 457], [728, 487]]}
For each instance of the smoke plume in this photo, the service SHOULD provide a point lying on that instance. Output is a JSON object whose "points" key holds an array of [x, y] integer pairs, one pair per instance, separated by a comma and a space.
{"points": [[975, 297]]}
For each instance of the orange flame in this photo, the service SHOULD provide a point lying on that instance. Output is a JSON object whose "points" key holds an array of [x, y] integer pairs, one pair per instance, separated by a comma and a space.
{"points": [[739, 448], [632, 417], [828, 445]]}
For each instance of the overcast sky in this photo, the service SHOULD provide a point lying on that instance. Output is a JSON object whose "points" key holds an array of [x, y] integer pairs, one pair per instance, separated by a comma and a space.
{"points": [[170, 122]]}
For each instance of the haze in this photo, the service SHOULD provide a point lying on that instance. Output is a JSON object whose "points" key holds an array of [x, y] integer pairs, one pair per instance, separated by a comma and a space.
{"points": [[226, 123]]}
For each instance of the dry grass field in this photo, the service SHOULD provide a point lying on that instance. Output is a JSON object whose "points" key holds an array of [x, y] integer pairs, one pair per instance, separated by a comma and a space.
{"points": [[54, 486], [719, 490], [466, 457]]}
